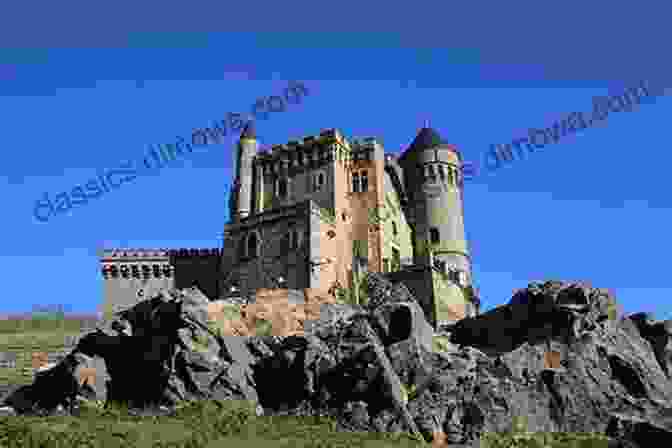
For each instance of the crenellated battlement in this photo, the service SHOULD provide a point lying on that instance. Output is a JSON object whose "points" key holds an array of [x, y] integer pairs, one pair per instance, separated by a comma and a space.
{"points": [[115, 255]]}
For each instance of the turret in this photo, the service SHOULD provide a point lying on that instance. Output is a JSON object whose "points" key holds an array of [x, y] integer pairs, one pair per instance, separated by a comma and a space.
{"points": [[241, 194], [432, 177]]}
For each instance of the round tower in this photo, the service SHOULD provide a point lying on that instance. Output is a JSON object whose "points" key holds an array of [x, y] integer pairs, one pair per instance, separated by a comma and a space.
{"points": [[432, 177], [241, 203]]}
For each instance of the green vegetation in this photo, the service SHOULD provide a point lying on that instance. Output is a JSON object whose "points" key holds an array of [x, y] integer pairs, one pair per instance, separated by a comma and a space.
{"points": [[267, 200], [519, 437], [20, 338], [408, 392], [263, 327], [328, 215], [41, 324], [198, 424], [376, 217], [440, 344], [612, 309], [348, 295]]}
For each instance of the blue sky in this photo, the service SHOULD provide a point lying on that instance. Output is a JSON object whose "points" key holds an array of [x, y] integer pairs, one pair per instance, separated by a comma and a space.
{"points": [[84, 88]]}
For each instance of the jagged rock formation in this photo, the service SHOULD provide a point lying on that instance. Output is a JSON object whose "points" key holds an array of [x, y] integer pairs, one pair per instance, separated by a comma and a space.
{"points": [[555, 354]]}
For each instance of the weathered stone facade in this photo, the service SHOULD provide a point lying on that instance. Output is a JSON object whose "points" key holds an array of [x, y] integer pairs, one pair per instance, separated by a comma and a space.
{"points": [[315, 213]]}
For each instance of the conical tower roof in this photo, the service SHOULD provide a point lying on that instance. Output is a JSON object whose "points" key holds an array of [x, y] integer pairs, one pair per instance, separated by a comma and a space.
{"points": [[249, 131], [426, 138]]}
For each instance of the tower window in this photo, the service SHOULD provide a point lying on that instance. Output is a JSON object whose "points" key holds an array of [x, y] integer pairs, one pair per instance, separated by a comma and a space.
{"points": [[355, 182], [394, 228], [432, 174], [451, 180], [434, 235], [282, 188], [318, 181], [365, 181], [294, 239], [442, 173], [252, 245]]}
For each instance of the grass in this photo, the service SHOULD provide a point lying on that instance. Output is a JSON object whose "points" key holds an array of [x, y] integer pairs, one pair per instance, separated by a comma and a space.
{"points": [[22, 337]]}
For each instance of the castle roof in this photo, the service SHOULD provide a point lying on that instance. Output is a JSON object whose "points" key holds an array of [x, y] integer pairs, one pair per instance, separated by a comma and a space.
{"points": [[249, 131], [426, 138]]}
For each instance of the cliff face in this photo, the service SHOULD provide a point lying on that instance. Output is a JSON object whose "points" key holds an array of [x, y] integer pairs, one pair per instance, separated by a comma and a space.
{"points": [[556, 355]]}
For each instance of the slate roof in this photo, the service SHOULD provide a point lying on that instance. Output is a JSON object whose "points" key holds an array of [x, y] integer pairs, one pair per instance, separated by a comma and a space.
{"points": [[249, 131]]}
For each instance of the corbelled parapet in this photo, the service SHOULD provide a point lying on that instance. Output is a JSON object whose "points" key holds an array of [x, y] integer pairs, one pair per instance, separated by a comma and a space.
{"points": [[136, 263], [138, 271], [310, 149]]}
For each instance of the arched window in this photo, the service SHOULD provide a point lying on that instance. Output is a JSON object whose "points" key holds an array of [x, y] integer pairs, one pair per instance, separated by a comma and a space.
{"points": [[318, 181], [365, 181], [252, 245], [355, 182], [434, 235]]}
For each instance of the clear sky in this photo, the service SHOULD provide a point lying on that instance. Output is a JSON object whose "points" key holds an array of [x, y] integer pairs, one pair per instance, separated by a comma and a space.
{"points": [[87, 86]]}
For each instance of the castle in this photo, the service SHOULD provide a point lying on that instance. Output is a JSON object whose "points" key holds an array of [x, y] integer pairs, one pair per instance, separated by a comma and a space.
{"points": [[318, 213]]}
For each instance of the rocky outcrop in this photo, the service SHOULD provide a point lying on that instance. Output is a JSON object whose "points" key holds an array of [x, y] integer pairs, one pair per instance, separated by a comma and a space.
{"points": [[555, 354]]}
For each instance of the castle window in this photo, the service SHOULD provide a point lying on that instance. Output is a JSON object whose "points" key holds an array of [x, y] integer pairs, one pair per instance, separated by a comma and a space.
{"points": [[431, 173], [294, 239], [252, 244], [394, 228], [318, 181], [442, 173], [355, 182], [451, 180], [365, 181], [458, 179], [282, 189], [434, 235]]}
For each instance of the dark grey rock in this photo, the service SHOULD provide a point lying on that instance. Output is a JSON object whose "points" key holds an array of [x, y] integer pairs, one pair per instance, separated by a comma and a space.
{"points": [[552, 354]]}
